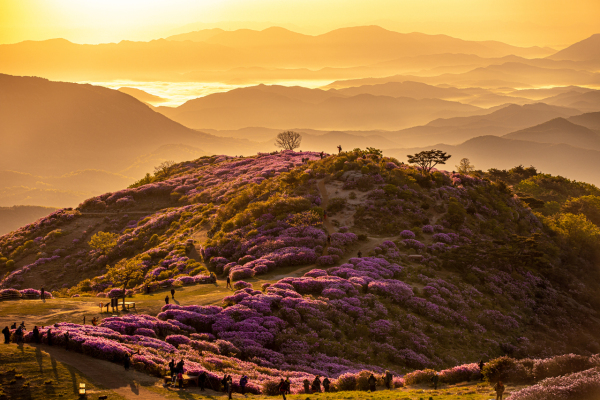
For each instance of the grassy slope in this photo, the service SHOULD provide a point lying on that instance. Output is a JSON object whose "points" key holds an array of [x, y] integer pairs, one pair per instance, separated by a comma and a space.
{"points": [[25, 371]]}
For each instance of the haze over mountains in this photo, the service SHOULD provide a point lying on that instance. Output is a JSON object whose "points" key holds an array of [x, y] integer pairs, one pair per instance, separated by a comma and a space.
{"points": [[273, 48], [497, 104]]}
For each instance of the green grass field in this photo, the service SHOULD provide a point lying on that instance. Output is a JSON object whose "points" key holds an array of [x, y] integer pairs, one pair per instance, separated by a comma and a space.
{"points": [[465, 391], [36, 312], [29, 373]]}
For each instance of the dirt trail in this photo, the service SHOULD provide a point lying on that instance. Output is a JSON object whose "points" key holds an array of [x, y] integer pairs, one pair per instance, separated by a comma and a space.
{"points": [[109, 375], [324, 201]]}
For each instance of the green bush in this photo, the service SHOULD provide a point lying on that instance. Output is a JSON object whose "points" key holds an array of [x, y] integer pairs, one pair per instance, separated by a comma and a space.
{"points": [[336, 204], [507, 369]]}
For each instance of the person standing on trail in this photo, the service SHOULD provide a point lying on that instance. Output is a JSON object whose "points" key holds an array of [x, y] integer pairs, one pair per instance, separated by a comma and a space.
{"points": [[126, 362], [36, 335], [180, 379], [481, 365], [13, 326], [67, 341], [179, 366], [243, 383], [49, 336], [229, 386], [328, 240], [19, 334], [173, 294], [84, 320], [281, 388], [202, 380], [228, 283], [43, 294], [172, 369], [435, 379], [321, 155], [6, 333], [359, 254], [372, 381], [316, 385], [324, 215], [326, 383], [288, 386], [499, 388], [167, 299], [388, 379], [306, 383], [339, 149]]}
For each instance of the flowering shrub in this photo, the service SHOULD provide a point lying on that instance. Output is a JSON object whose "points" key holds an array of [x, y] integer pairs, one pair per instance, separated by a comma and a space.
{"points": [[583, 385], [419, 377], [406, 234], [242, 285]]}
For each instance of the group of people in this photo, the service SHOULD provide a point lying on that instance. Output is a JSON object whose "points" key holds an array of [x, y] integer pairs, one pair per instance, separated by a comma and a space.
{"points": [[176, 371], [20, 333], [172, 296]]}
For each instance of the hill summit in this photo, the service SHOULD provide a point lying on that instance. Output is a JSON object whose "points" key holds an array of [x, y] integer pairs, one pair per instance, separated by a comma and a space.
{"points": [[371, 263]]}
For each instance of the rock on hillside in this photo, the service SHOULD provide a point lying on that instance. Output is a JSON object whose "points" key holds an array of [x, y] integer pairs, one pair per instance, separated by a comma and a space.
{"points": [[454, 267]]}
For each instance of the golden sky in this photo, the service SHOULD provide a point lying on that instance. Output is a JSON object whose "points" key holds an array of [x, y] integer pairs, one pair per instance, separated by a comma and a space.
{"points": [[521, 22]]}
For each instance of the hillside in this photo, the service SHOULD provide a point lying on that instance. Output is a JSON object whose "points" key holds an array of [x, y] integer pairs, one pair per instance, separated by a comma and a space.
{"points": [[499, 152], [587, 49], [54, 128], [454, 267]]}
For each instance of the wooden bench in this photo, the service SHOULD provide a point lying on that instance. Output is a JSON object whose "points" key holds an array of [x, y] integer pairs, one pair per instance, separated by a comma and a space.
{"points": [[128, 305], [186, 379]]}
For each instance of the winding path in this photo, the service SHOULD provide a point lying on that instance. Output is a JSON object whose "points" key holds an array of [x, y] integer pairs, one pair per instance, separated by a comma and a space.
{"points": [[106, 374]]}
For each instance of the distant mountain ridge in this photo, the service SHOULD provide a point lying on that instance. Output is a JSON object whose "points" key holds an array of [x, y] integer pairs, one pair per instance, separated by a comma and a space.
{"points": [[169, 60], [276, 106], [587, 49], [559, 130], [53, 128]]}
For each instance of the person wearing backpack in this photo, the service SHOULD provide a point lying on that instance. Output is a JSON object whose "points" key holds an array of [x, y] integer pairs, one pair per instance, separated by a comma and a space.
{"points": [[499, 388], [282, 388], [243, 383]]}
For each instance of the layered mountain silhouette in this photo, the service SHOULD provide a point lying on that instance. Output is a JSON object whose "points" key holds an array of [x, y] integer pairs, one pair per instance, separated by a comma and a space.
{"points": [[277, 106], [507, 74], [274, 47], [587, 49], [498, 122], [142, 95], [586, 101], [589, 120], [559, 130], [486, 152], [53, 128]]}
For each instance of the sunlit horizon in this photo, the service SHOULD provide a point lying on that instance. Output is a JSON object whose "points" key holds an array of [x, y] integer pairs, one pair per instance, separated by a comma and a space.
{"points": [[522, 23]]}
